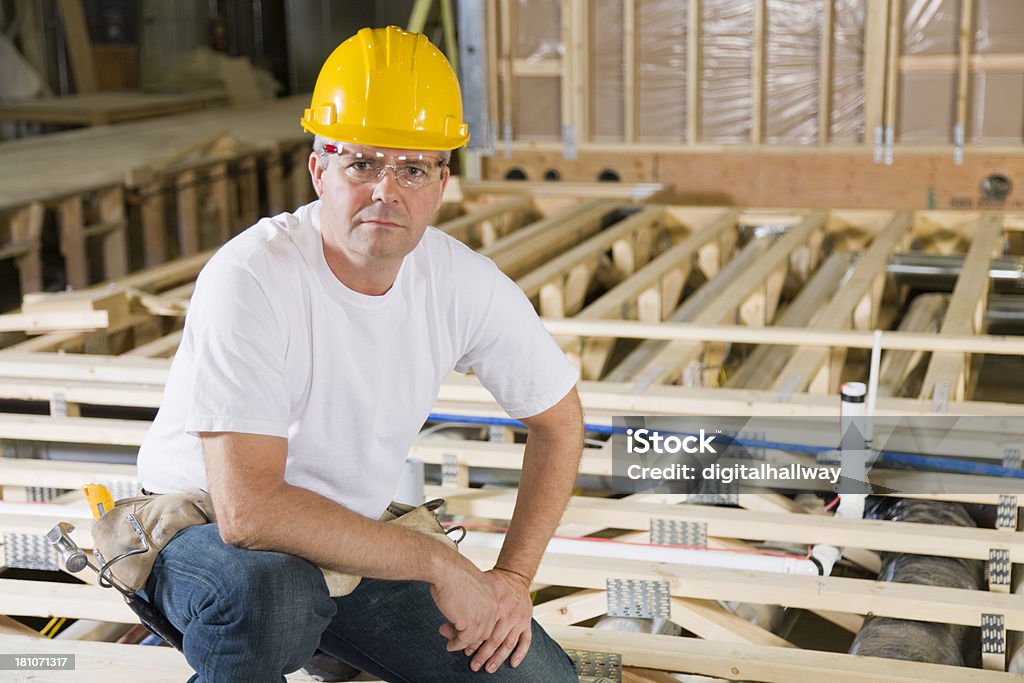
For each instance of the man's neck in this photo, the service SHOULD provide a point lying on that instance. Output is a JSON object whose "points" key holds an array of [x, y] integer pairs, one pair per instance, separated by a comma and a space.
{"points": [[361, 275]]}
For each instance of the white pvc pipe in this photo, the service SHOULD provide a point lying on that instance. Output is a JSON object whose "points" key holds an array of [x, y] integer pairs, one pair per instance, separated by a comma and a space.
{"points": [[876, 360], [651, 553]]}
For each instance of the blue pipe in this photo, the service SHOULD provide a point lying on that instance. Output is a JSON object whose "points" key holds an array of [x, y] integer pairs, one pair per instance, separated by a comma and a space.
{"points": [[914, 459]]}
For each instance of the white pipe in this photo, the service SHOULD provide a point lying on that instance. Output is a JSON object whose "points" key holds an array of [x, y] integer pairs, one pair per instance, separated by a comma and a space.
{"points": [[652, 553], [876, 360]]}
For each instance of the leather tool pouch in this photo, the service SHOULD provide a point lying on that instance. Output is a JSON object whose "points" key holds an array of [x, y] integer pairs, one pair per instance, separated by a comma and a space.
{"points": [[137, 529]]}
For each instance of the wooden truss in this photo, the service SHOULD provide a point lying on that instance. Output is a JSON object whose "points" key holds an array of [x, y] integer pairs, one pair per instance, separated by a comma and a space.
{"points": [[668, 310]]}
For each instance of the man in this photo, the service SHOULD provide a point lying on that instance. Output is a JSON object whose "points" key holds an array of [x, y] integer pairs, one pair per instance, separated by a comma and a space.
{"points": [[312, 353]]}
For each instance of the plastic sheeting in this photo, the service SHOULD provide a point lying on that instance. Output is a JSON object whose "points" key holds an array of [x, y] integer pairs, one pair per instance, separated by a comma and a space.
{"points": [[792, 55], [949, 644], [996, 100], [537, 37]]}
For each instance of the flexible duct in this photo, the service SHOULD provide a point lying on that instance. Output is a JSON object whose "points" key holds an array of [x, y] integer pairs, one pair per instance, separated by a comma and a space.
{"points": [[918, 641]]}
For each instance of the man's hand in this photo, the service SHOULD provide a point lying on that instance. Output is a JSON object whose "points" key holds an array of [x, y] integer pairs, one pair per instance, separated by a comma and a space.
{"points": [[465, 596], [512, 631]]}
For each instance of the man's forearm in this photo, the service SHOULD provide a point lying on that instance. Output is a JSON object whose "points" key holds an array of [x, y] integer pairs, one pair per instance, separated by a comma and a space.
{"points": [[550, 465], [303, 523]]}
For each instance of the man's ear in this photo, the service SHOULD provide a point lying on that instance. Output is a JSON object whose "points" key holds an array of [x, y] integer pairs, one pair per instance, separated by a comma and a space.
{"points": [[446, 175], [316, 173]]}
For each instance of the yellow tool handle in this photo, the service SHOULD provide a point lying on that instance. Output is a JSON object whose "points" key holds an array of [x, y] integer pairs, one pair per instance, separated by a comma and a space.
{"points": [[99, 499]]}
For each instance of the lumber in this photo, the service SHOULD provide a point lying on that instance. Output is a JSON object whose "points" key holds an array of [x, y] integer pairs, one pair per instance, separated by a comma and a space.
{"points": [[733, 661], [966, 311], [901, 601]]}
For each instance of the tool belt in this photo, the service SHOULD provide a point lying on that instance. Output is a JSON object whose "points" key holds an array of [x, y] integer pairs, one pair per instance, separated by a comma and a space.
{"points": [[129, 537]]}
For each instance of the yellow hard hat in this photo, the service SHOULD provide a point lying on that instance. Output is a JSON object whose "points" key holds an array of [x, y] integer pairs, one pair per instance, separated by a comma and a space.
{"points": [[386, 87]]}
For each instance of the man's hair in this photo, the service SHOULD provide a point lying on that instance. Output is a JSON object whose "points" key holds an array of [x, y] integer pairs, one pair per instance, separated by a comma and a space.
{"points": [[323, 158]]}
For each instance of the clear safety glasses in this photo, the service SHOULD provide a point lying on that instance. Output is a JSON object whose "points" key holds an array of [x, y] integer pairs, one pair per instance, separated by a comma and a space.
{"points": [[413, 171]]}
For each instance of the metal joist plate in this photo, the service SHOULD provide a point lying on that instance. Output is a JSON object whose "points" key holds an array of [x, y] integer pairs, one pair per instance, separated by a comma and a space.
{"points": [[449, 470], [1006, 513], [638, 599], [999, 570], [29, 551], [597, 666], [993, 634], [679, 532]]}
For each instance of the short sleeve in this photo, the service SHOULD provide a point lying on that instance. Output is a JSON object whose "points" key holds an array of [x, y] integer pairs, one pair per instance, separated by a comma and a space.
{"points": [[515, 357], [239, 349]]}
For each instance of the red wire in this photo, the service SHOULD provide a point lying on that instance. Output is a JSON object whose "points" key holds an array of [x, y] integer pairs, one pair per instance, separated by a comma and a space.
{"points": [[835, 501], [751, 551]]}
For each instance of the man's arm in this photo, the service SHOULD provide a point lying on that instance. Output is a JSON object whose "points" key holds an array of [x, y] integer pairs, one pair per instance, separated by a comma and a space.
{"points": [[257, 509], [550, 464]]}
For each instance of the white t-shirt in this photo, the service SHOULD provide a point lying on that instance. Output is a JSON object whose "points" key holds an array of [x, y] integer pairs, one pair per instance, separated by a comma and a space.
{"points": [[274, 344]]}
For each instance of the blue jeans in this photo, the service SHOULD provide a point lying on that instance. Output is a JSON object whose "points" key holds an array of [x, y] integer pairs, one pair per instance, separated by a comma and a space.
{"points": [[251, 615]]}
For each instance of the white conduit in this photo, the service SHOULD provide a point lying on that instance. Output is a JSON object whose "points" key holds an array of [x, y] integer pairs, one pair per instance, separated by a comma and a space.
{"points": [[651, 553]]}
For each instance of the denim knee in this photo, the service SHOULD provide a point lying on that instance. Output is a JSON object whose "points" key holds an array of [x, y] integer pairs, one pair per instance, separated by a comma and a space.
{"points": [[267, 606]]}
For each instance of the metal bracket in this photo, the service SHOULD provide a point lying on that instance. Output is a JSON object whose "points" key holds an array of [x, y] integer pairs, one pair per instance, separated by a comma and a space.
{"points": [[43, 494], [940, 397], [993, 642], [641, 599], [999, 570], [679, 532], [1012, 456], [59, 405], [1006, 513], [595, 667], [569, 141], [29, 551], [449, 470], [715, 492]]}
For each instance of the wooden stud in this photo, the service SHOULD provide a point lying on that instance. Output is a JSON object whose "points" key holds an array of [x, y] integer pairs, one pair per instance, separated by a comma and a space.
{"points": [[187, 194], [630, 93], [966, 309], [966, 38], [76, 32], [757, 72], [154, 226], [693, 71], [27, 233], [72, 241], [115, 242], [825, 68], [806, 363]]}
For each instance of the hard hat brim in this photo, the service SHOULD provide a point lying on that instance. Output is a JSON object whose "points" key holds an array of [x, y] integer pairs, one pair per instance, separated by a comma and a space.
{"points": [[382, 137]]}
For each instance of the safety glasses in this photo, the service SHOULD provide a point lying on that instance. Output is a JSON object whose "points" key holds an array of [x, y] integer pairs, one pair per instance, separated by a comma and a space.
{"points": [[412, 171]]}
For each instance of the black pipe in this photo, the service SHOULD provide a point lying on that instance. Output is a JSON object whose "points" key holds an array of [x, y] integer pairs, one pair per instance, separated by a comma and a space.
{"points": [[918, 641]]}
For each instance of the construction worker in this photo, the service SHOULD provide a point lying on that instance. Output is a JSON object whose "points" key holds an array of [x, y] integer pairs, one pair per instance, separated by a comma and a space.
{"points": [[312, 353]]}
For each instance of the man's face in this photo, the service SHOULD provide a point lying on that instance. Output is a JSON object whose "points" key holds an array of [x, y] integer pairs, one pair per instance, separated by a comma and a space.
{"points": [[375, 213]]}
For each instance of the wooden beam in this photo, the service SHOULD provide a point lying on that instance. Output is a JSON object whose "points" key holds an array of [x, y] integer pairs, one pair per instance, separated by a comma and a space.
{"points": [[764, 363], [667, 364], [825, 68], [76, 32], [759, 662], [646, 219], [966, 312], [922, 539], [867, 281], [923, 315], [900, 601], [630, 93], [875, 28], [757, 72], [113, 662], [693, 71]]}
